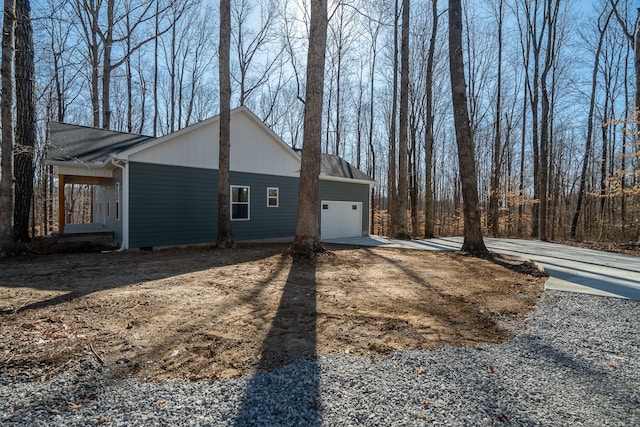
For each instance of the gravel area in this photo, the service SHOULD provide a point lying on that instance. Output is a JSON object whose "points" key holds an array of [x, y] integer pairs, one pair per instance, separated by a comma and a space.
{"points": [[575, 361]]}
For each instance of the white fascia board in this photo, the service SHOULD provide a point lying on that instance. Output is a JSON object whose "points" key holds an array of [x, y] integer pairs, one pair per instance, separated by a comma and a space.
{"points": [[80, 169], [324, 177]]}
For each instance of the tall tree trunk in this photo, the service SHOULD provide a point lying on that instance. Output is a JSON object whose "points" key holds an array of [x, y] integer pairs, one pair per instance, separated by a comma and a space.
{"points": [[392, 193], [129, 78], [589, 141], [412, 156], [25, 121], [401, 231], [473, 241], [156, 112], [94, 49], [625, 139], [372, 151], [494, 209], [225, 234], [523, 140], [552, 8], [535, 39], [107, 66], [429, 208], [6, 107], [339, 82], [307, 241], [172, 74]]}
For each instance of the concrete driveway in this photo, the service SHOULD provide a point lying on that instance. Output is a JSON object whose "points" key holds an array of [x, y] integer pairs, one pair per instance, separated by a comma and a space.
{"points": [[570, 268]]}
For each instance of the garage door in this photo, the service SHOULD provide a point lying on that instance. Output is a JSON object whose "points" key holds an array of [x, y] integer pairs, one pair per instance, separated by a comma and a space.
{"points": [[340, 219]]}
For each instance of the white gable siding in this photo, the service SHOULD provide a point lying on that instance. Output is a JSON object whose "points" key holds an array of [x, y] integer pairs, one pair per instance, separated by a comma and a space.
{"points": [[196, 148], [253, 149]]}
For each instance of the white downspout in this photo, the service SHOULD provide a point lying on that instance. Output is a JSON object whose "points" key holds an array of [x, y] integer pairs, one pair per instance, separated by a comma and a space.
{"points": [[122, 164]]}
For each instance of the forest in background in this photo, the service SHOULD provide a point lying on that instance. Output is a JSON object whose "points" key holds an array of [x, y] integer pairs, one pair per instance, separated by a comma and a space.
{"points": [[551, 89]]}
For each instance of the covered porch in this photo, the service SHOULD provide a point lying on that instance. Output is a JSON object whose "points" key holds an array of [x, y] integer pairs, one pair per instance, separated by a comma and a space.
{"points": [[97, 229]]}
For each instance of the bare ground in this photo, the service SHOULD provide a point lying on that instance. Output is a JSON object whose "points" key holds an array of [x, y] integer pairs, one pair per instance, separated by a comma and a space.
{"points": [[203, 313]]}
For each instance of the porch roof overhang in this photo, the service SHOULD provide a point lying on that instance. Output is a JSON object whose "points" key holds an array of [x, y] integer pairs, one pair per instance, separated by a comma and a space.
{"points": [[88, 170]]}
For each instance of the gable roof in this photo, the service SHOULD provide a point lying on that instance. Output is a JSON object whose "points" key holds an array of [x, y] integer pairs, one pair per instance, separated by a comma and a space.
{"points": [[82, 144]]}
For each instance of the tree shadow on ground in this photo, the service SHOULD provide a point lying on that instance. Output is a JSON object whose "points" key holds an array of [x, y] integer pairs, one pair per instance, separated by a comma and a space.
{"points": [[77, 275], [283, 392]]}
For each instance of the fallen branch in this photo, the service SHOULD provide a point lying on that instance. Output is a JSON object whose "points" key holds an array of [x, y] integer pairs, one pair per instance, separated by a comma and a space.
{"points": [[102, 362]]}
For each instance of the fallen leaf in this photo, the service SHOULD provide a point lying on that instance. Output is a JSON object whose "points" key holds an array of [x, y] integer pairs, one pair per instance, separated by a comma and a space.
{"points": [[613, 366], [160, 402], [421, 370], [75, 405], [492, 369], [103, 419], [426, 403], [502, 417]]}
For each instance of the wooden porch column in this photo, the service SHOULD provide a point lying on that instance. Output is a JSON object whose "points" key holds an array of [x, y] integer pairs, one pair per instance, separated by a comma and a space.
{"points": [[61, 213]]}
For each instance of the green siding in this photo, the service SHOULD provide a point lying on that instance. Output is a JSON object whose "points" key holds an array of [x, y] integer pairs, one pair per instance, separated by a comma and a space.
{"points": [[170, 205], [267, 222], [174, 205], [346, 192]]}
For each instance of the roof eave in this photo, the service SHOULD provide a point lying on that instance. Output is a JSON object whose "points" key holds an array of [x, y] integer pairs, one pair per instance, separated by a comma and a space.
{"points": [[369, 182], [88, 164]]}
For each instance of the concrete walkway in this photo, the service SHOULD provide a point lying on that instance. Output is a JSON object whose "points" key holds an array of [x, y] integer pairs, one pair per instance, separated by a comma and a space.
{"points": [[570, 268]]}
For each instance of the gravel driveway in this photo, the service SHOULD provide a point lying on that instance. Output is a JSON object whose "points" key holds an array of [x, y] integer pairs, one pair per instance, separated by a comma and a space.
{"points": [[575, 361]]}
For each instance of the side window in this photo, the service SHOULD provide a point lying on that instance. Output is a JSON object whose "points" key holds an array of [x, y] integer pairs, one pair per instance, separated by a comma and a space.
{"points": [[108, 202], [273, 197], [240, 202], [117, 201]]}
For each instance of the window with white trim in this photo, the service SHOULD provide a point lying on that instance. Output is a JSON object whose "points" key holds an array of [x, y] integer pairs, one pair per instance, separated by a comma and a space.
{"points": [[108, 202], [273, 197], [117, 201], [240, 198]]}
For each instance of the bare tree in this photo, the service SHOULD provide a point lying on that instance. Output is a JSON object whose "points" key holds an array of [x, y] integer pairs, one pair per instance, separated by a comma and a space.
{"points": [[494, 212], [225, 234], [633, 35], [25, 121], [307, 241], [473, 241], [401, 231], [255, 61], [602, 28], [6, 106], [429, 209], [551, 22], [392, 177]]}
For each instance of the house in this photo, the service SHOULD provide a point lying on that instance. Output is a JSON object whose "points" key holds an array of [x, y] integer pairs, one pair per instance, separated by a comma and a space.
{"points": [[164, 191]]}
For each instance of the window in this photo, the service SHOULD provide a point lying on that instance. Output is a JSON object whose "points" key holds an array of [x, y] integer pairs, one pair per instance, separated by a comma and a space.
{"points": [[108, 202], [117, 201], [239, 202], [273, 199]]}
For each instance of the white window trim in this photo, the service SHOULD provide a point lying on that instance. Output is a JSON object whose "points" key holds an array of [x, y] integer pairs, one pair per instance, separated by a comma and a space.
{"points": [[248, 203], [108, 209], [277, 197], [117, 201]]}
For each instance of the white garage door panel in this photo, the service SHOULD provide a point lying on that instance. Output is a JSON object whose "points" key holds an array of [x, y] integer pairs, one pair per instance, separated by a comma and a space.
{"points": [[340, 219]]}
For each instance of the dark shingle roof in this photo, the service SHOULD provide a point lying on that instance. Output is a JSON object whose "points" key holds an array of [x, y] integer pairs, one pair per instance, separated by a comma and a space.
{"points": [[332, 165], [73, 143], [86, 144], [335, 166]]}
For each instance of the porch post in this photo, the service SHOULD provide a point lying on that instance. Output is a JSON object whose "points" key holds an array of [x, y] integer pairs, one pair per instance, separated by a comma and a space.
{"points": [[61, 212]]}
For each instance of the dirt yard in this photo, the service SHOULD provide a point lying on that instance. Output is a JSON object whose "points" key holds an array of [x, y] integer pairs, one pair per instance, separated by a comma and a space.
{"points": [[203, 313]]}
